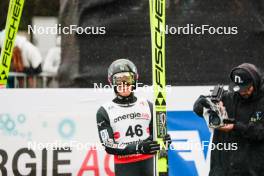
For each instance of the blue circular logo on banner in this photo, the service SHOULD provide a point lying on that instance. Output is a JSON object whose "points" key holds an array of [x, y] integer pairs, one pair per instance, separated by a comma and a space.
{"points": [[67, 128], [21, 118], [7, 123]]}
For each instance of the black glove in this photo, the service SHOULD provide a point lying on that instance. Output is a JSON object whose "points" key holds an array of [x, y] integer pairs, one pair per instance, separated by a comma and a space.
{"points": [[148, 147], [167, 140], [199, 104]]}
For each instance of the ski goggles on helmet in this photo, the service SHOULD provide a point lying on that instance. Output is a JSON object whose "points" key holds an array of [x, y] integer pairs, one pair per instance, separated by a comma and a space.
{"points": [[123, 77]]}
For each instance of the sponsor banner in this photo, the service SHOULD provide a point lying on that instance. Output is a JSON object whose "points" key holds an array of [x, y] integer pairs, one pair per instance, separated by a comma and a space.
{"points": [[189, 154], [49, 132]]}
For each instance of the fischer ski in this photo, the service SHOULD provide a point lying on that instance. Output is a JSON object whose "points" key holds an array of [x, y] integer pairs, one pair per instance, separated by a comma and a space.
{"points": [[12, 23], [157, 25]]}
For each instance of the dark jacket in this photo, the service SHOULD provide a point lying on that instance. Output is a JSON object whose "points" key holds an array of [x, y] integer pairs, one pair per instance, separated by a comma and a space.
{"points": [[247, 159]]}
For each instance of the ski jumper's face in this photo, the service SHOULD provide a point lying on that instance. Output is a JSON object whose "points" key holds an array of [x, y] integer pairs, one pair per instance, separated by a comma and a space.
{"points": [[124, 82], [124, 89]]}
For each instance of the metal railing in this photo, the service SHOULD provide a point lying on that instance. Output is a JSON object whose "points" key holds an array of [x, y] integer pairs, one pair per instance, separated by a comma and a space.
{"points": [[22, 80]]}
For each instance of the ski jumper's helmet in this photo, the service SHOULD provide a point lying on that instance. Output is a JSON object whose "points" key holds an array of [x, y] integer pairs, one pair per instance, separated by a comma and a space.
{"points": [[122, 70]]}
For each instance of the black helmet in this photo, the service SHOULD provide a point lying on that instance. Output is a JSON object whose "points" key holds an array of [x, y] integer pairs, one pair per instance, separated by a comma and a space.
{"points": [[122, 66]]}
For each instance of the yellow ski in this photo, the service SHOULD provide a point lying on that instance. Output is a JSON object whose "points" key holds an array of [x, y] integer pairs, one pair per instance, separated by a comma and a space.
{"points": [[12, 23], [157, 25]]}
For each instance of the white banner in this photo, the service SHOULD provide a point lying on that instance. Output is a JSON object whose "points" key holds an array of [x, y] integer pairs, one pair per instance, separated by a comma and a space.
{"points": [[48, 132]]}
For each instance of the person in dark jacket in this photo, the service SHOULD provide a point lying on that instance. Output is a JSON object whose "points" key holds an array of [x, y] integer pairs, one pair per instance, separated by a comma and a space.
{"points": [[244, 102]]}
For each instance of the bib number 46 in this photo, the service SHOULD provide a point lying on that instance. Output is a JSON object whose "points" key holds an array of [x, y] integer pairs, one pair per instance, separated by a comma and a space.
{"points": [[137, 130]]}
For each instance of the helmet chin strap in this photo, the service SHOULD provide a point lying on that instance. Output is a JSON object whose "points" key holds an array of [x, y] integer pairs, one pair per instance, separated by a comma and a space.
{"points": [[127, 101], [124, 97]]}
